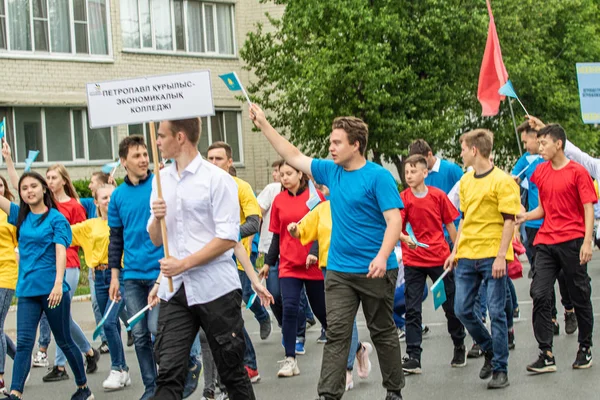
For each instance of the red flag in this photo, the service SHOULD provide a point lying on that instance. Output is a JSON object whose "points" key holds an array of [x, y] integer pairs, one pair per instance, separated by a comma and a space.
{"points": [[493, 72]]}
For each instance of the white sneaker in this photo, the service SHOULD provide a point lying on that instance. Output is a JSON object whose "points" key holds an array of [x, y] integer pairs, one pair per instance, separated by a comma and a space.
{"points": [[289, 367], [40, 360], [116, 380], [349, 381]]}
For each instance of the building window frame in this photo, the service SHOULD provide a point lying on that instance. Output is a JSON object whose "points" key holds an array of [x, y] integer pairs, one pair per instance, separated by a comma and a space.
{"points": [[56, 55]]}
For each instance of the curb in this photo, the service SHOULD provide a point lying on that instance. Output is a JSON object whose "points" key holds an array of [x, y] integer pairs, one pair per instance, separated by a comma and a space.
{"points": [[76, 299]]}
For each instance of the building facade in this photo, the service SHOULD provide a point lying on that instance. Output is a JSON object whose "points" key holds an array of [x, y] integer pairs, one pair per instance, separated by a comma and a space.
{"points": [[49, 50]]}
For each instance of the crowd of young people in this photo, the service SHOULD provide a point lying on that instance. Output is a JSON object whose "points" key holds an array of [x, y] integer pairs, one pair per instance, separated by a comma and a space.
{"points": [[366, 244]]}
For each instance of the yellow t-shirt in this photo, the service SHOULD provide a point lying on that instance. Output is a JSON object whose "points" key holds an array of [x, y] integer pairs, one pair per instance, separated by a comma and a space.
{"points": [[92, 236], [483, 200], [316, 225], [9, 271], [248, 206]]}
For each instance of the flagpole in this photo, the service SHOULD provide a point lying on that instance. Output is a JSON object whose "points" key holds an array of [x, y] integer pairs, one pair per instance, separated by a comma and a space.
{"points": [[512, 114], [163, 223]]}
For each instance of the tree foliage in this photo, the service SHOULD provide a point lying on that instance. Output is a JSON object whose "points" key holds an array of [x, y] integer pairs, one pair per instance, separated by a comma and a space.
{"points": [[410, 69]]}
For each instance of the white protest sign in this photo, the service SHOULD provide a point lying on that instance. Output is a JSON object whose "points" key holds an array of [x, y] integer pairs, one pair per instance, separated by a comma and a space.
{"points": [[153, 98]]}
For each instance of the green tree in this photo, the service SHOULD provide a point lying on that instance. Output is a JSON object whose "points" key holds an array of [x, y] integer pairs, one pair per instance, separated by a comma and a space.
{"points": [[410, 69]]}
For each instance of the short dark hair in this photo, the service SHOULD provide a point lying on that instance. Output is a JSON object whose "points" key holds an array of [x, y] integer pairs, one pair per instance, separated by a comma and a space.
{"points": [[356, 130], [526, 127], [416, 159], [277, 164], [129, 142], [421, 147], [102, 177], [221, 145], [192, 127], [556, 132], [481, 139]]}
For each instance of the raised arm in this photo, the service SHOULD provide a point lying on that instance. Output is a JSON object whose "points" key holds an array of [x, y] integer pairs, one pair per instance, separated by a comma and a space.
{"points": [[590, 163], [5, 205], [286, 150], [10, 166]]}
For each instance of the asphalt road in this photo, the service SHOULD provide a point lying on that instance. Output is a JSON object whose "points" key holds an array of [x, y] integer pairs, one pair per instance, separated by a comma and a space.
{"points": [[438, 380]]}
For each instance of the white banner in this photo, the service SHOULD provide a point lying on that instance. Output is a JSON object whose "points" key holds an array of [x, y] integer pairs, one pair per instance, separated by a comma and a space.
{"points": [[154, 98]]}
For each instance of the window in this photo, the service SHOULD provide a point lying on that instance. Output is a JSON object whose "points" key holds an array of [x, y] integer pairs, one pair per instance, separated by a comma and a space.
{"points": [[187, 26], [60, 134], [224, 126], [76, 27]]}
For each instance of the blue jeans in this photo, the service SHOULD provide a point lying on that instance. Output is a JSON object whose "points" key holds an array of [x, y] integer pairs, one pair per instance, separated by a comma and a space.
{"points": [[273, 287], [6, 344], [249, 354], [136, 298], [469, 275], [353, 347], [29, 312], [112, 327], [72, 278], [509, 308], [45, 334], [97, 313], [260, 313]]}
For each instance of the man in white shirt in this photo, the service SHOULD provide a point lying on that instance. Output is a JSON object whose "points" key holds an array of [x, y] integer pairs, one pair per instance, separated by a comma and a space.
{"points": [[202, 214]]}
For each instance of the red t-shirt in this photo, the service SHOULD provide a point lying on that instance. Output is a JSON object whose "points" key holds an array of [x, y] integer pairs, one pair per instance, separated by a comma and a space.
{"points": [[292, 255], [427, 216], [75, 213], [563, 193]]}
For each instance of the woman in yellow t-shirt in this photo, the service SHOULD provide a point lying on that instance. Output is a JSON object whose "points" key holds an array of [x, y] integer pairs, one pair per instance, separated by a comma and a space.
{"points": [[8, 278], [92, 236]]}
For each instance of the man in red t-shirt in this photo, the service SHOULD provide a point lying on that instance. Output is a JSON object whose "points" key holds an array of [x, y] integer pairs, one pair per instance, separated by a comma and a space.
{"points": [[427, 209], [564, 242]]}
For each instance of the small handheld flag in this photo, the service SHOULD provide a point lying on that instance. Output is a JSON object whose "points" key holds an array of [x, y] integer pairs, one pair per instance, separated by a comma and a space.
{"points": [[98, 329], [438, 290], [136, 318], [253, 297], [509, 90], [110, 168], [30, 159], [234, 84], [412, 236], [313, 199], [530, 159], [3, 127]]}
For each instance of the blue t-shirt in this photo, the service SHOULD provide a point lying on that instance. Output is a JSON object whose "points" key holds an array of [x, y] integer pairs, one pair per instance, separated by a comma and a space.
{"points": [[532, 189], [358, 200], [446, 177], [37, 250], [90, 207], [129, 208]]}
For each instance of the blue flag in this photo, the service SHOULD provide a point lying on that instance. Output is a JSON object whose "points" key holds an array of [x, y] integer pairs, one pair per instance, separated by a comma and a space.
{"points": [[438, 290], [30, 159], [232, 81], [412, 236], [108, 168], [131, 322], [313, 199], [508, 90], [98, 329], [234, 84], [2, 128]]}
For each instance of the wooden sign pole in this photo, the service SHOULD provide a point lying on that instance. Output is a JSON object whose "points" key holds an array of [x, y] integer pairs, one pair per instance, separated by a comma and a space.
{"points": [[163, 222]]}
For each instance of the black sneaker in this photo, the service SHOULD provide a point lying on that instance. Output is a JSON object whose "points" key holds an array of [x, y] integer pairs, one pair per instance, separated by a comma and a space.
{"points": [[55, 375], [460, 357], [570, 322], [83, 394], [556, 328], [516, 313], [393, 396], [411, 365], [310, 323], [584, 358], [265, 328], [499, 380], [475, 351], [486, 370], [103, 349], [545, 363], [511, 339], [323, 338], [129, 339], [92, 362]]}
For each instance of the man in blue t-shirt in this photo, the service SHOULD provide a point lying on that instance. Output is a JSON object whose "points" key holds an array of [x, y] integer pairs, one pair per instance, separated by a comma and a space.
{"points": [[361, 267], [522, 172], [128, 213]]}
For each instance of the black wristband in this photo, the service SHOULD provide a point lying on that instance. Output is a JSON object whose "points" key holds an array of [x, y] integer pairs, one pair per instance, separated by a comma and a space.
{"points": [[157, 283]]}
